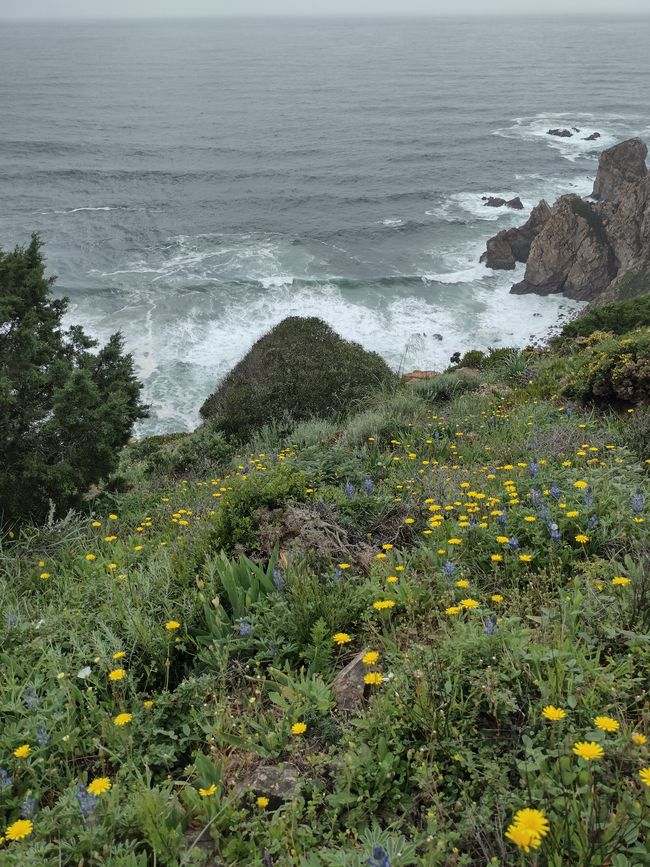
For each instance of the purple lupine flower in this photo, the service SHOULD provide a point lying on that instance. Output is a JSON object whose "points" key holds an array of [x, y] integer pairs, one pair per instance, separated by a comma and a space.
{"points": [[27, 808], [592, 523], [245, 628], [349, 490], [637, 503], [491, 625], [369, 486], [533, 469], [379, 858], [554, 491], [42, 735], [278, 579], [535, 495], [544, 512], [5, 779], [554, 531], [449, 568], [87, 802], [588, 498], [513, 543], [31, 699], [502, 520]]}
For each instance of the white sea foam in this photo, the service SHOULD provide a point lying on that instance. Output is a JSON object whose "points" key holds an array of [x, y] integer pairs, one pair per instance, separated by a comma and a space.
{"points": [[391, 221], [612, 128]]}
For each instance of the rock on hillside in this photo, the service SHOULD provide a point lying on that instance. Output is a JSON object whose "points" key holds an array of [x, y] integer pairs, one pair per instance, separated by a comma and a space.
{"points": [[596, 252], [301, 369]]}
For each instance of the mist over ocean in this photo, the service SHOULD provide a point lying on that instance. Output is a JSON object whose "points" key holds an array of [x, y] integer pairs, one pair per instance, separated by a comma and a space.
{"points": [[197, 181]]}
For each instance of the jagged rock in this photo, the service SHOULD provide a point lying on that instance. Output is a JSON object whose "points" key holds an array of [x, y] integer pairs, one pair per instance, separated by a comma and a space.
{"points": [[510, 246], [570, 254], [349, 684], [493, 201], [592, 137], [575, 129], [498, 202], [276, 782], [561, 133], [619, 165]]}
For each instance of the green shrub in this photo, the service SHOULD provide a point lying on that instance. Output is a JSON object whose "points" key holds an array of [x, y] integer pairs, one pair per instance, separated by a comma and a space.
{"points": [[301, 367], [64, 411], [473, 358], [618, 318], [204, 449], [616, 369]]}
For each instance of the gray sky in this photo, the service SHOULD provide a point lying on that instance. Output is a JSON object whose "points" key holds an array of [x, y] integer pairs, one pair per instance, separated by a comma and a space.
{"points": [[190, 8]]}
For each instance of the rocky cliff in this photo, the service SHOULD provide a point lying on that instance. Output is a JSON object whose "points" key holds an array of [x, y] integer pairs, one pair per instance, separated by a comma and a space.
{"points": [[591, 251]]}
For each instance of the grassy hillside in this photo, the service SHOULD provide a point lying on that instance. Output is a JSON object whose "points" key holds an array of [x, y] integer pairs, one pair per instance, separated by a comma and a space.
{"points": [[363, 642]]}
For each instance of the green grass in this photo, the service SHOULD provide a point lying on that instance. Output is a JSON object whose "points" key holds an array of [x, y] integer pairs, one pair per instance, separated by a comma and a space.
{"points": [[406, 502]]}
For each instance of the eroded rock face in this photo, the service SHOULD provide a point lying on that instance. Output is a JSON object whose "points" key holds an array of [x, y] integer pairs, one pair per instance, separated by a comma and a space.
{"points": [[570, 254], [619, 165], [510, 246], [596, 252]]}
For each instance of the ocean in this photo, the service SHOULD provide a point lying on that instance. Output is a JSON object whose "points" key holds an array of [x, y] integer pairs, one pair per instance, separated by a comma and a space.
{"points": [[197, 181]]}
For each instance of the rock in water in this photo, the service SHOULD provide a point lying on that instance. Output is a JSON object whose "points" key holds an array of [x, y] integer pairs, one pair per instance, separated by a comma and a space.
{"points": [[510, 246], [592, 137], [619, 165], [515, 203], [561, 133], [571, 253], [493, 201]]}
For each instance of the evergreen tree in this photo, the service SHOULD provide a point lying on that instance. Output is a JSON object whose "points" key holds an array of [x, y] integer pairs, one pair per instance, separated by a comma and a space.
{"points": [[64, 411]]}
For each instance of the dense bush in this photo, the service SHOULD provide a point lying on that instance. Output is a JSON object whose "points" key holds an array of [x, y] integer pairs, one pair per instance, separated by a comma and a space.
{"points": [[64, 411], [611, 370], [617, 318], [301, 368]]}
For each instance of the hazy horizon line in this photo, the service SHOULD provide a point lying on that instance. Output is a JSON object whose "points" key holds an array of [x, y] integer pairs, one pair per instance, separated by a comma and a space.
{"points": [[321, 15]]}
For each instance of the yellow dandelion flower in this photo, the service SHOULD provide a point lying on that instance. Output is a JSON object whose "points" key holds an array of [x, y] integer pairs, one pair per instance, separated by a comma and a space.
{"points": [[262, 802], [370, 658], [606, 724], [582, 538], [620, 581], [23, 751], [122, 719], [638, 738], [523, 838], [374, 678], [496, 597], [588, 750], [526, 558], [580, 484], [532, 820], [172, 625], [148, 704], [207, 793], [468, 603], [341, 638], [298, 728], [496, 558], [44, 576], [453, 609], [454, 541], [502, 540], [344, 565], [392, 579], [90, 557], [19, 830], [99, 785], [120, 654], [552, 713], [381, 604], [644, 773], [462, 583], [116, 674]]}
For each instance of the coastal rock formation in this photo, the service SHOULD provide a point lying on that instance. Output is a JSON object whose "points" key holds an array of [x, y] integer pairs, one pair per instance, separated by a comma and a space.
{"points": [[498, 202], [510, 246], [570, 254], [596, 252], [618, 166], [592, 137], [560, 133]]}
